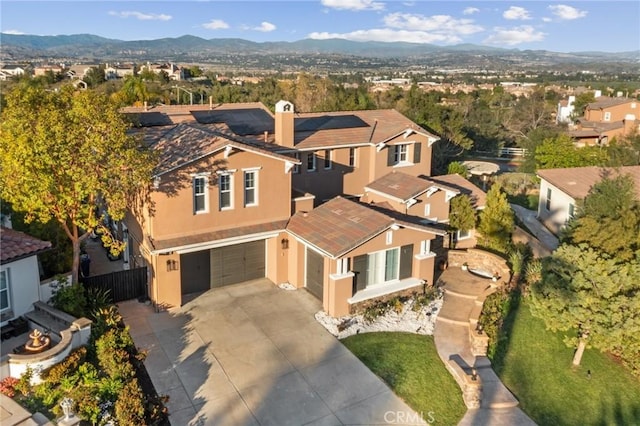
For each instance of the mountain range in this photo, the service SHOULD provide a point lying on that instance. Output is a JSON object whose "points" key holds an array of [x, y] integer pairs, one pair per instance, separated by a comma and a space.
{"points": [[14, 47]]}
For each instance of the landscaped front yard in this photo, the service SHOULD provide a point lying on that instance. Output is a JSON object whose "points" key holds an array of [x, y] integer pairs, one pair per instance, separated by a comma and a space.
{"points": [[410, 365], [537, 369]]}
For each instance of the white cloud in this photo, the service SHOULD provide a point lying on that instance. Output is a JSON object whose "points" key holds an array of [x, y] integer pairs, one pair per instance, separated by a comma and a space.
{"points": [[516, 13], [216, 24], [13, 32], [515, 35], [265, 27], [470, 10], [141, 16], [353, 4], [546, 19], [388, 35], [440, 24], [567, 13]]}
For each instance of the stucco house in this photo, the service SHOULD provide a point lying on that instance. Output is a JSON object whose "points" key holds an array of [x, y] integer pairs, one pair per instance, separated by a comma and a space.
{"points": [[19, 273], [562, 189], [605, 119], [239, 192]]}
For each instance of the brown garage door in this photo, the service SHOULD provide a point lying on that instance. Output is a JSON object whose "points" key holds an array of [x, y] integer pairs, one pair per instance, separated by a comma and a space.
{"points": [[194, 272], [315, 273], [237, 263]]}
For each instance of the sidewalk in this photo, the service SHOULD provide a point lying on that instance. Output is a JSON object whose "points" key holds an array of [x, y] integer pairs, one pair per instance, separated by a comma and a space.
{"points": [[528, 217]]}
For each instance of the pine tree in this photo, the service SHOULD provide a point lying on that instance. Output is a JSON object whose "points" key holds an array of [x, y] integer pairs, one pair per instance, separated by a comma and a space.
{"points": [[496, 221]]}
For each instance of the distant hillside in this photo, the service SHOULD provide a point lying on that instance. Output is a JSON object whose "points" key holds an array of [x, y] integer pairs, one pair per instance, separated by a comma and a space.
{"points": [[187, 46]]}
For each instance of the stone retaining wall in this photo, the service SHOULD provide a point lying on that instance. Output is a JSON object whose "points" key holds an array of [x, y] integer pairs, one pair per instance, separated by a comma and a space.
{"points": [[480, 260]]}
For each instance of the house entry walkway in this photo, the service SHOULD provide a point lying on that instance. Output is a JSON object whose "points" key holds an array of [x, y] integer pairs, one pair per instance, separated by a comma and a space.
{"points": [[253, 354]]}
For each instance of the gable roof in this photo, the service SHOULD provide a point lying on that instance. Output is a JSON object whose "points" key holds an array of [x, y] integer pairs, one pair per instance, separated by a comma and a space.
{"points": [[188, 142], [403, 187], [17, 245], [463, 186], [577, 181], [606, 102], [341, 225]]}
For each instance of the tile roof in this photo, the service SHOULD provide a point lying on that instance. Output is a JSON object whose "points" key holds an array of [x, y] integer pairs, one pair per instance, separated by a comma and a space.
{"points": [[464, 186], [577, 181], [16, 245], [172, 244], [605, 102], [340, 225], [189, 142], [404, 187]]}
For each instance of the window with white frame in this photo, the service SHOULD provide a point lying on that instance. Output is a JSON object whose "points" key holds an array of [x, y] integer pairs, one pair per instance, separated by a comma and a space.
{"points": [[5, 299], [225, 184], [384, 266], [427, 210], [343, 266], [571, 212], [327, 159], [463, 234], [401, 153], [389, 237], [352, 157], [547, 204], [200, 198], [296, 167], [311, 162], [425, 247], [250, 188], [607, 116]]}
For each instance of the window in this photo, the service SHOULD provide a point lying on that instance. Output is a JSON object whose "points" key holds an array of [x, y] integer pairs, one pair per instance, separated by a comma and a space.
{"points": [[389, 237], [425, 247], [296, 168], [311, 162], [401, 154], [607, 116], [572, 212], [200, 195], [343, 266], [327, 159], [547, 205], [250, 184], [384, 266], [352, 157], [5, 301], [463, 234], [224, 182], [427, 210]]}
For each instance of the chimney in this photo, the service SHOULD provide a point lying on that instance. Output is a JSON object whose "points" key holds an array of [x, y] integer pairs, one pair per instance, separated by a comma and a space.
{"points": [[266, 136], [284, 124]]}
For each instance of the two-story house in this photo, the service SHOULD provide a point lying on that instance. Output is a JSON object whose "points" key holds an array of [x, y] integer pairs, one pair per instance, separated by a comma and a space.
{"points": [[605, 119], [234, 193], [562, 189]]}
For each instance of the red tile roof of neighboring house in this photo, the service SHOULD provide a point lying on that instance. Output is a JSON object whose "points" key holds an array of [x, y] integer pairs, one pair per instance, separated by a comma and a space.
{"points": [[404, 187], [172, 244], [340, 225], [477, 195], [577, 181], [605, 102], [15, 245]]}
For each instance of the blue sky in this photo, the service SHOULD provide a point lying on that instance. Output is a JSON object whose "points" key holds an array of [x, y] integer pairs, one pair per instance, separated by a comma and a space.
{"points": [[561, 26]]}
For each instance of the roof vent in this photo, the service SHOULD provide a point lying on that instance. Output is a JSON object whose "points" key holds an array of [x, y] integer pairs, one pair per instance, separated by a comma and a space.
{"points": [[573, 182], [337, 211], [355, 219]]}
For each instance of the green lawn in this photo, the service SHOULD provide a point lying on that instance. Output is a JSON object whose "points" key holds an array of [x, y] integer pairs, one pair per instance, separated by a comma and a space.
{"points": [[410, 365], [537, 369]]}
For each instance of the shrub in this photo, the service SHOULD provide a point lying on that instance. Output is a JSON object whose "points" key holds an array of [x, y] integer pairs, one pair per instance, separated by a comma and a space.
{"points": [[495, 309], [71, 299], [113, 350], [97, 299], [106, 318], [129, 407], [24, 382], [7, 386], [70, 364]]}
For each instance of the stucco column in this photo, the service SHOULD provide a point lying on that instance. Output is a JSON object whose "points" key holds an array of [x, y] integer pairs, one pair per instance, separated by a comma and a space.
{"points": [[340, 289]]}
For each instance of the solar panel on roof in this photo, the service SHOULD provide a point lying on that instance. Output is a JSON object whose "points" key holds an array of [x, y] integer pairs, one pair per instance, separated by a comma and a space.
{"points": [[147, 119], [242, 122], [329, 122]]}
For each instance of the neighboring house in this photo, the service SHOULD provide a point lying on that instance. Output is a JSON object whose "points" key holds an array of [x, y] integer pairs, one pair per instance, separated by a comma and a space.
{"points": [[231, 176], [8, 71], [173, 71], [114, 72], [565, 110], [346, 253], [42, 70], [562, 189], [19, 273], [79, 71], [605, 119]]}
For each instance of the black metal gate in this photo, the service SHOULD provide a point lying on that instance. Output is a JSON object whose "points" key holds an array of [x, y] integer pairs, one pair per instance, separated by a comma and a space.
{"points": [[122, 285]]}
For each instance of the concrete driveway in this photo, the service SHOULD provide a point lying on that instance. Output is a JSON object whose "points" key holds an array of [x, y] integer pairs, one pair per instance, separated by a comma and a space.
{"points": [[253, 354]]}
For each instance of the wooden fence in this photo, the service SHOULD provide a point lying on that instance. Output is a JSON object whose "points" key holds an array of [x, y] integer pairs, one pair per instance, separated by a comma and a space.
{"points": [[122, 285]]}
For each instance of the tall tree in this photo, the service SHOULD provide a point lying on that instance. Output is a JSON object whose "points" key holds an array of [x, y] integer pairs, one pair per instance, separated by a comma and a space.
{"points": [[67, 157], [560, 152], [496, 220], [462, 216], [608, 218], [594, 294]]}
